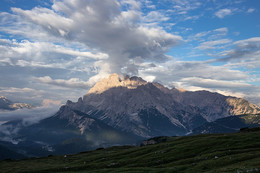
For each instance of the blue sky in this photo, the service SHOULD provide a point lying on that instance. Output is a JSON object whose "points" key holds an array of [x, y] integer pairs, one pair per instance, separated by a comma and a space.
{"points": [[54, 50]]}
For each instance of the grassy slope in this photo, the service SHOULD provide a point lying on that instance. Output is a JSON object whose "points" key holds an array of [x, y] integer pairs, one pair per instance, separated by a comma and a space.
{"points": [[201, 153]]}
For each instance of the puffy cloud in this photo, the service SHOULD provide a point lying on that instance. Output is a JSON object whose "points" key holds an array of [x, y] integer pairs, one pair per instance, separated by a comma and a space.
{"points": [[106, 27], [177, 70], [203, 76], [223, 12], [55, 23], [43, 53], [25, 117], [245, 53], [89, 39]]}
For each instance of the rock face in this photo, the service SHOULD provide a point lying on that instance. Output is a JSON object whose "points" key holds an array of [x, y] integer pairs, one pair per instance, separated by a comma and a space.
{"points": [[114, 81], [6, 104], [215, 105], [150, 109]]}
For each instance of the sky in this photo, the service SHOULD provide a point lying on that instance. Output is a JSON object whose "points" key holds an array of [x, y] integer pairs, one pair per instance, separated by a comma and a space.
{"points": [[56, 50]]}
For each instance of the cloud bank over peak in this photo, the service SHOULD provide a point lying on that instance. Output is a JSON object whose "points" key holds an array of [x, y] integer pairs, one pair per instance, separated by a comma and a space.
{"points": [[47, 48], [113, 27]]}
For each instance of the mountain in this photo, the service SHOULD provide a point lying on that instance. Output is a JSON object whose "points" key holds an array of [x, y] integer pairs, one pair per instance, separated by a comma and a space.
{"points": [[6, 104], [68, 131], [6, 153], [227, 153], [229, 124], [215, 105], [147, 109], [125, 110]]}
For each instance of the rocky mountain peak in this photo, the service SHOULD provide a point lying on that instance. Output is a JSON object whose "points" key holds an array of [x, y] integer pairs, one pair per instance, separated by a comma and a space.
{"points": [[115, 80], [9, 105], [5, 103], [146, 109], [4, 99]]}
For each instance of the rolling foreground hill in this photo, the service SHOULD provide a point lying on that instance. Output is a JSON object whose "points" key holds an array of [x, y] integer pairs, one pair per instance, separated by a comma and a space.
{"points": [[237, 152], [120, 110]]}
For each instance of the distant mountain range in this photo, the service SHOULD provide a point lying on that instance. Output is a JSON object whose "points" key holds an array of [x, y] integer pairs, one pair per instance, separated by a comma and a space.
{"points": [[125, 110], [6, 104]]}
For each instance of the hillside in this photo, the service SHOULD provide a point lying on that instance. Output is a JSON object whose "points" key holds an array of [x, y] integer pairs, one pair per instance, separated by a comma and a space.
{"points": [[229, 124], [237, 152], [66, 132]]}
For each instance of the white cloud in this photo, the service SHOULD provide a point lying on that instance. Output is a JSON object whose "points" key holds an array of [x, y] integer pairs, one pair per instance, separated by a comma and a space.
{"points": [[49, 102], [213, 83], [248, 42], [17, 90], [71, 83], [89, 39], [51, 21], [201, 34], [246, 53], [155, 16], [134, 4], [212, 44], [26, 117], [48, 55], [250, 10], [149, 4], [210, 35], [117, 33], [33, 115], [222, 31], [223, 12], [202, 76], [177, 70], [191, 17], [28, 95], [184, 6]]}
